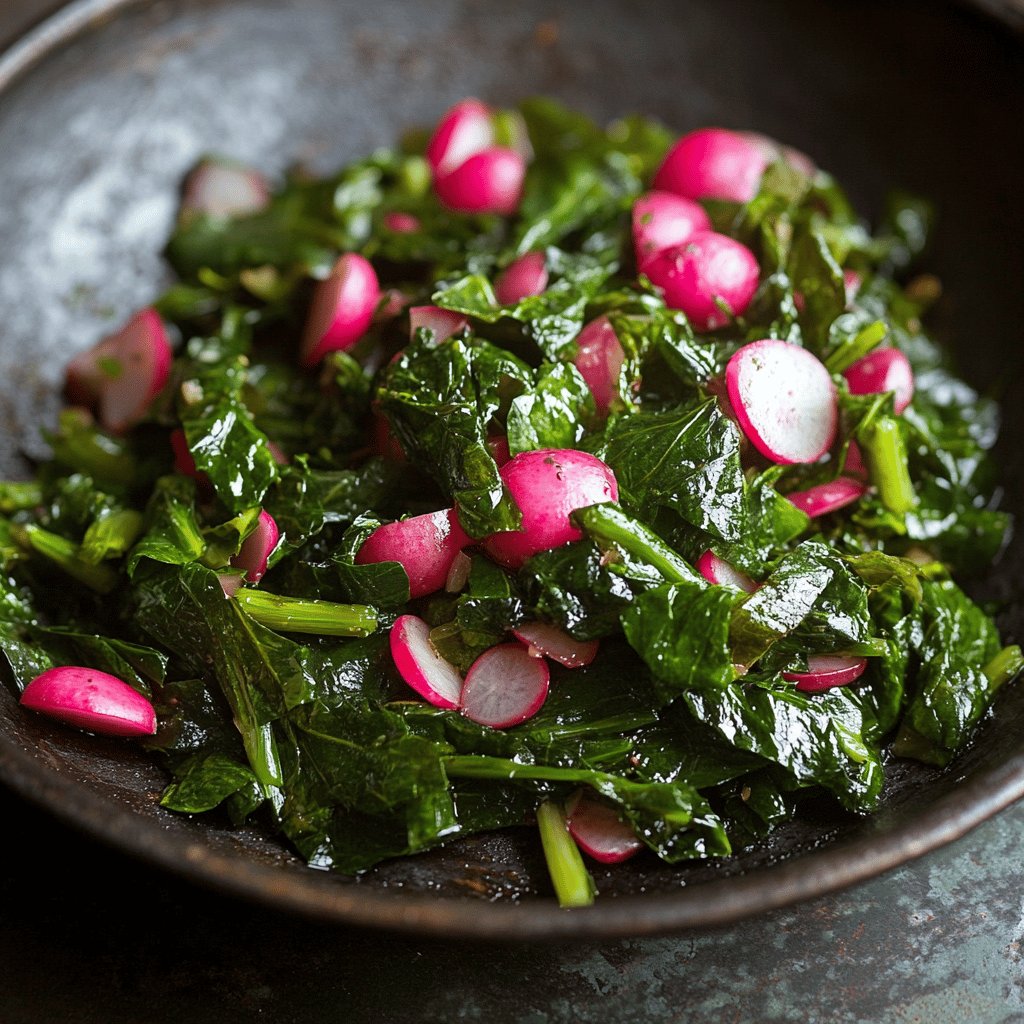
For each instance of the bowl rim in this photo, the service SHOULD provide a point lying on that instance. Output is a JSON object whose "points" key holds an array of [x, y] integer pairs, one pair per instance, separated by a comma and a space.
{"points": [[713, 903]]}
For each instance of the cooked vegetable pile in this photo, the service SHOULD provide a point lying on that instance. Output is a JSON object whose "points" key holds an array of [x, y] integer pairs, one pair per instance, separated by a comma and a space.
{"points": [[530, 473]]}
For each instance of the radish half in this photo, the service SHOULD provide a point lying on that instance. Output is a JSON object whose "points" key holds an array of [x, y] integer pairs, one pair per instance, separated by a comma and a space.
{"points": [[885, 369], [342, 308], [257, 547], [825, 671], [599, 358], [219, 188], [822, 499], [714, 163], [91, 700], [504, 687], [599, 831], [464, 130], [437, 681], [443, 322], [784, 400], [661, 220], [553, 643], [526, 276], [718, 570], [401, 223], [490, 181]]}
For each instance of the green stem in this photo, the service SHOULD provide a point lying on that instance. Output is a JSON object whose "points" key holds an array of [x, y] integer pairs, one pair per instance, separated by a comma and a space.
{"points": [[573, 885], [298, 615], [866, 340], [64, 554], [886, 455], [111, 536], [1004, 666], [17, 495]]}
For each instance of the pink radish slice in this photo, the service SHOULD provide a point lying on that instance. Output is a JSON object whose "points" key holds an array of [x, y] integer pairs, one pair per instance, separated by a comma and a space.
{"points": [[342, 308], [522, 278], [257, 547], [713, 163], [230, 583], [599, 831], [661, 220], [549, 485], [91, 700], [401, 223], [717, 570], [490, 181], [599, 358], [504, 686], [854, 464], [382, 440], [822, 499], [184, 463], [464, 130], [557, 645], [437, 681], [885, 369], [443, 322], [784, 400], [221, 189], [851, 284], [827, 670], [706, 271], [498, 447], [425, 546]]}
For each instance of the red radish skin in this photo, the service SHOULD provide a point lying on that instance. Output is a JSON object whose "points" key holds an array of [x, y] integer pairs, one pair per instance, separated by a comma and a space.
{"points": [[662, 220], [444, 323], [851, 285], [257, 548], [774, 150], [885, 369], [342, 308], [824, 671], [713, 163], [504, 687], [425, 546], [437, 681], [382, 439], [822, 499], [599, 831], [392, 303], [784, 401], [464, 130], [706, 271], [401, 223], [218, 188], [522, 278], [230, 583], [599, 358], [717, 570], [498, 447], [89, 699], [184, 463], [490, 181], [549, 485], [555, 644], [854, 464]]}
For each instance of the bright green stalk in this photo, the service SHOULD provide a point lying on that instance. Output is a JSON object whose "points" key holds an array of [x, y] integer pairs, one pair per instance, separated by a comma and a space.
{"points": [[866, 340], [64, 554], [298, 615], [886, 456], [573, 885]]}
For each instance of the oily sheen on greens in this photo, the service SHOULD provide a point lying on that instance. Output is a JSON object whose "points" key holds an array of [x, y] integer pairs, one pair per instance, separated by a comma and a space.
{"points": [[684, 721]]}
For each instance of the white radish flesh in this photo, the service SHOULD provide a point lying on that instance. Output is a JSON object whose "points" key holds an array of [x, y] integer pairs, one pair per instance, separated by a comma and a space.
{"points": [[91, 700], [885, 369], [257, 547], [825, 671], [504, 687], [458, 574], [714, 163], [522, 278], [599, 831], [555, 644], [718, 570], [444, 323], [464, 130], [425, 546], [222, 189], [490, 181], [784, 400], [599, 358], [437, 681], [828, 497], [661, 220], [342, 308]]}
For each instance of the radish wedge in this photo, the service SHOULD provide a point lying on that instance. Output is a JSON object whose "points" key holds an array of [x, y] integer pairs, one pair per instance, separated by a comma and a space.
{"points": [[425, 546], [599, 358], [504, 687], [437, 681], [342, 309], [555, 644], [91, 700], [526, 276], [717, 570], [885, 369], [784, 400], [401, 223], [490, 181], [464, 130], [218, 188], [444, 323], [257, 548], [714, 163], [599, 831], [661, 220], [827, 670], [854, 464], [822, 499]]}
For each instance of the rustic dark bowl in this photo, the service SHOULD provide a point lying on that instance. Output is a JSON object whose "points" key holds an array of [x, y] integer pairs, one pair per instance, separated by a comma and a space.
{"points": [[105, 106]]}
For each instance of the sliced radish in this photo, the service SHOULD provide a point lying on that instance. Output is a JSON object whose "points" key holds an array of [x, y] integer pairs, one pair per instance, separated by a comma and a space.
{"points": [[599, 831], [526, 276], [257, 547], [498, 447], [392, 303], [91, 700], [425, 546], [437, 681], [490, 181], [444, 323], [854, 463], [599, 358], [553, 643], [504, 687], [704, 273], [718, 570], [549, 485], [714, 163], [662, 220], [230, 583], [184, 463], [458, 574], [342, 308], [218, 188], [827, 670], [464, 130], [784, 400], [822, 499], [885, 369], [382, 439], [401, 223]]}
